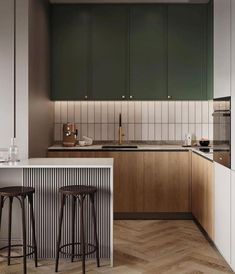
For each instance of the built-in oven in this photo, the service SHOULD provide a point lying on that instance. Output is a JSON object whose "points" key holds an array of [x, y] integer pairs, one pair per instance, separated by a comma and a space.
{"points": [[222, 131]]}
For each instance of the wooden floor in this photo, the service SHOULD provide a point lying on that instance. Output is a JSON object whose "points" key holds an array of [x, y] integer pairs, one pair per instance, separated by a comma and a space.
{"points": [[153, 247]]}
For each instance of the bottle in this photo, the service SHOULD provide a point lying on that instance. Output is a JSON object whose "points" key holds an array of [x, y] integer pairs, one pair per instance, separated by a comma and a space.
{"points": [[13, 151]]}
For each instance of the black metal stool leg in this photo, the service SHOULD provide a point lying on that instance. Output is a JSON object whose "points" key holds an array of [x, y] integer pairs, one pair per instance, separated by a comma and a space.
{"points": [[9, 229], [82, 234], [24, 232], [73, 225], [59, 232], [92, 198], [30, 197]]}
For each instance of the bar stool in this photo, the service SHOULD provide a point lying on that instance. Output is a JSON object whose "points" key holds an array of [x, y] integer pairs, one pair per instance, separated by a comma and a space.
{"points": [[78, 193], [20, 193]]}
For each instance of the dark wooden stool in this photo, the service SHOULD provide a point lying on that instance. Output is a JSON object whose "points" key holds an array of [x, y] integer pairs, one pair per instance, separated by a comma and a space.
{"points": [[80, 193], [20, 193]]}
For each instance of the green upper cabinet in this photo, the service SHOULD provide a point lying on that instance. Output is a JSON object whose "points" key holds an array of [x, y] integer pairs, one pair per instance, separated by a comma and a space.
{"points": [[136, 51], [148, 52], [187, 48], [109, 54], [69, 48]]}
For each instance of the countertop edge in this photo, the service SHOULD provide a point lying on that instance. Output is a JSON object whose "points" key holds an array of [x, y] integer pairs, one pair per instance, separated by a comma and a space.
{"points": [[61, 163], [140, 148]]}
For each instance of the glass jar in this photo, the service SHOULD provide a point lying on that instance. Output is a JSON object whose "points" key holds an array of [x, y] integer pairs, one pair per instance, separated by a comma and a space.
{"points": [[13, 151]]}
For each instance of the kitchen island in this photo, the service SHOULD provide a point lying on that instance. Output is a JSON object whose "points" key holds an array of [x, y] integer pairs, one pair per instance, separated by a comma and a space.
{"points": [[47, 176]]}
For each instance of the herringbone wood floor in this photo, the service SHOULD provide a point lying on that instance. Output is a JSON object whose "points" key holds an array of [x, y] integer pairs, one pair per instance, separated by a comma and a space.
{"points": [[153, 247]]}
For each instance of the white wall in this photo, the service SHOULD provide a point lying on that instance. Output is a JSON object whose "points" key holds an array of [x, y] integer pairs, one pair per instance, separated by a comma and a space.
{"points": [[6, 72]]}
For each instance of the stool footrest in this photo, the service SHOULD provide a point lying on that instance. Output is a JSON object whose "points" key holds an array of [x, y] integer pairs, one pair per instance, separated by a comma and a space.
{"points": [[78, 254], [19, 256]]}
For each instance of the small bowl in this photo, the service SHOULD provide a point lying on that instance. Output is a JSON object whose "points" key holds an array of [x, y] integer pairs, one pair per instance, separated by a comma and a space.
{"points": [[82, 143], [204, 143]]}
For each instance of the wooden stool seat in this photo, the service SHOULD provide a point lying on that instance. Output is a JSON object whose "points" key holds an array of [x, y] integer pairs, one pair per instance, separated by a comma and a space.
{"points": [[77, 190], [15, 191], [20, 193]]}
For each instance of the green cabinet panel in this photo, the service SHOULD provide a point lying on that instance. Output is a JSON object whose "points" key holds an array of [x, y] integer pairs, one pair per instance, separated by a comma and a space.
{"points": [[187, 48], [148, 52], [144, 51], [109, 39], [70, 44]]}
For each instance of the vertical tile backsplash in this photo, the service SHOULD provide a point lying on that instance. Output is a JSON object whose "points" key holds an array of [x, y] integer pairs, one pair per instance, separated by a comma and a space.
{"points": [[142, 120]]}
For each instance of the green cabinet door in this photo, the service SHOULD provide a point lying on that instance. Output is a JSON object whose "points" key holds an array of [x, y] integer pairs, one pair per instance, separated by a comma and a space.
{"points": [[109, 61], [187, 47], [69, 48], [148, 52]]}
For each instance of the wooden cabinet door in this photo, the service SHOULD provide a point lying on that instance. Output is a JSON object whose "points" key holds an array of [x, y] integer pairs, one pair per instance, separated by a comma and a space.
{"points": [[128, 176], [187, 47], [166, 182], [128, 180], [70, 51], [148, 52], [203, 193], [109, 61]]}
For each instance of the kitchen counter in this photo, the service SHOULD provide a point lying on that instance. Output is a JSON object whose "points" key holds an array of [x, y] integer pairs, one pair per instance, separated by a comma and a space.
{"points": [[141, 147]]}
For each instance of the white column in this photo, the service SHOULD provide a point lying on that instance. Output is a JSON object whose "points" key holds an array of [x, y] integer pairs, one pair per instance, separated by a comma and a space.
{"points": [[22, 78], [6, 72]]}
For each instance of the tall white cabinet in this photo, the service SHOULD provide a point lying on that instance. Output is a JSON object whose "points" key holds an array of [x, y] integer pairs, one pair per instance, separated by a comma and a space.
{"points": [[6, 71], [233, 85], [233, 220], [233, 134], [222, 48], [223, 211]]}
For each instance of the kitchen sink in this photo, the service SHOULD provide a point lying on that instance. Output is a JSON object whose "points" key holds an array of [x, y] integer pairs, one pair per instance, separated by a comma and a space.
{"points": [[118, 147]]}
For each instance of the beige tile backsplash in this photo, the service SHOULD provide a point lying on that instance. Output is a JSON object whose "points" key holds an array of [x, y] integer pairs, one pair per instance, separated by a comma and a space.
{"points": [[142, 120]]}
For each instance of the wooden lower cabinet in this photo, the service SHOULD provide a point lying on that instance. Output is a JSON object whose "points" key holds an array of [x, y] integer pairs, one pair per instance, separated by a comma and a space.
{"points": [[203, 193], [146, 181], [167, 181], [128, 176]]}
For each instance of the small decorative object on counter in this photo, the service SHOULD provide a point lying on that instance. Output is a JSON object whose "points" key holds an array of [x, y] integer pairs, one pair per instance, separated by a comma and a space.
{"points": [[82, 143], [204, 142], [188, 140], [13, 152], [88, 141], [70, 134]]}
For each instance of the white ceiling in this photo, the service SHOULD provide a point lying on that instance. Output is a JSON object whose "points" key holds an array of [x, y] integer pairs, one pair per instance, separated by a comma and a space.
{"points": [[130, 1]]}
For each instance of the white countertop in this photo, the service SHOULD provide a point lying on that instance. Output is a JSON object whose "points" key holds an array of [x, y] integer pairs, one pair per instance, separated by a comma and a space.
{"points": [[61, 163]]}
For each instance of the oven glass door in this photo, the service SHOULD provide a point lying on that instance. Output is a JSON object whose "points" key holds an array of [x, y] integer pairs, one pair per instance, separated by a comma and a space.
{"points": [[222, 132]]}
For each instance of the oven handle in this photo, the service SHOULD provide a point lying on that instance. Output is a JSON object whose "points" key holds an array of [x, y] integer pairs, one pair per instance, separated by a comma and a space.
{"points": [[221, 113]]}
